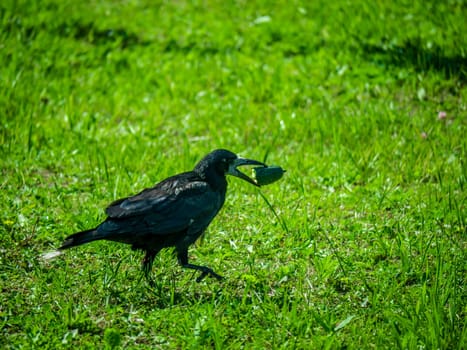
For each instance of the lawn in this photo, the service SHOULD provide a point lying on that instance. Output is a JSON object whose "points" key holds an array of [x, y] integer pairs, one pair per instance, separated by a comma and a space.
{"points": [[361, 245]]}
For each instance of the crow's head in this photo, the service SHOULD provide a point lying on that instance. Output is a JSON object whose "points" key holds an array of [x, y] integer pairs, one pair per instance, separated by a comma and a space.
{"points": [[223, 162]]}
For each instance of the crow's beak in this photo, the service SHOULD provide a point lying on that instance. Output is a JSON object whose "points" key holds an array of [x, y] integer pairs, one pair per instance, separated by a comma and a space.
{"points": [[239, 162]]}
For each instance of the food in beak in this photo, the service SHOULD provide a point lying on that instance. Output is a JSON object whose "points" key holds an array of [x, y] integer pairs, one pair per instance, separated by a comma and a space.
{"points": [[267, 175]]}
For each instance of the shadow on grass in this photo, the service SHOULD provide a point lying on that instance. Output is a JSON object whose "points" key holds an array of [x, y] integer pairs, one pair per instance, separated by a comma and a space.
{"points": [[415, 54], [90, 33], [162, 295], [83, 31]]}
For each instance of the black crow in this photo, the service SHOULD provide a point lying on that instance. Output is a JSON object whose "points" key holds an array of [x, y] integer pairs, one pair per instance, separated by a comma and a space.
{"points": [[173, 213]]}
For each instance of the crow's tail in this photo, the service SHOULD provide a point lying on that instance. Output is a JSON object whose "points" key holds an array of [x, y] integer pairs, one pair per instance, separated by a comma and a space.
{"points": [[81, 238]]}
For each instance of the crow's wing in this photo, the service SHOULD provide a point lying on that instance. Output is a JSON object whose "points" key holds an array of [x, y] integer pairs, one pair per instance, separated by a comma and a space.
{"points": [[169, 207], [158, 196]]}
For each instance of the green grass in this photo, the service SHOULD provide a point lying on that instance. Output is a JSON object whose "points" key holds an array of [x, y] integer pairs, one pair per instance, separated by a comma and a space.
{"points": [[362, 244]]}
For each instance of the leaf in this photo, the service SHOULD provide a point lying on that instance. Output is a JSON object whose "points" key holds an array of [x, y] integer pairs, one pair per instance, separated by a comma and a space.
{"points": [[344, 323]]}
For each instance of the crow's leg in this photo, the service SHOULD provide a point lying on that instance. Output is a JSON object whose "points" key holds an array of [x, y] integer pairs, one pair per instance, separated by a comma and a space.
{"points": [[183, 260], [147, 265]]}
